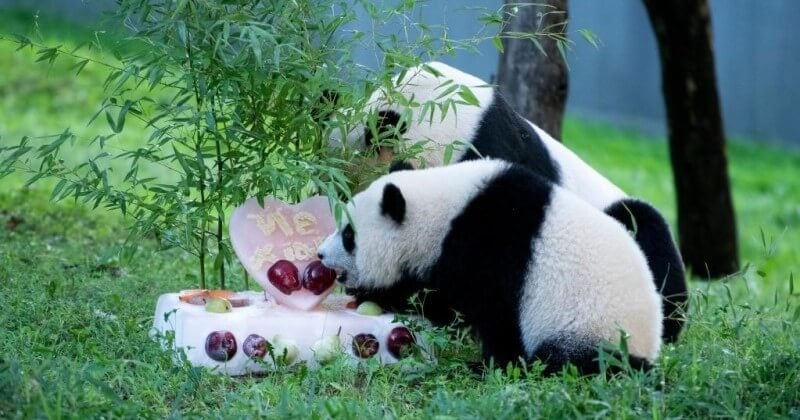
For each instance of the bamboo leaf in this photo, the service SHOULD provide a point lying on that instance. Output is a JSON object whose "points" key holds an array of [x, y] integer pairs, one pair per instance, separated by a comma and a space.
{"points": [[498, 44], [80, 65], [54, 195], [448, 154], [111, 123], [467, 96], [539, 46], [123, 111]]}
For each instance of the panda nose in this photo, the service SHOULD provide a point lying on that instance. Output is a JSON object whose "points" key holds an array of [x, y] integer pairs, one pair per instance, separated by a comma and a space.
{"points": [[320, 256]]}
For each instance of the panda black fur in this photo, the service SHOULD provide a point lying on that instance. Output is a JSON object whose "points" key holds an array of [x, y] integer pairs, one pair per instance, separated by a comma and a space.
{"points": [[494, 130], [535, 271]]}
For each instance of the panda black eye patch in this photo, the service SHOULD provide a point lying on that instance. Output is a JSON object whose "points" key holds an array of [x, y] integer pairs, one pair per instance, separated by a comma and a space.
{"points": [[348, 239], [385, 122]]}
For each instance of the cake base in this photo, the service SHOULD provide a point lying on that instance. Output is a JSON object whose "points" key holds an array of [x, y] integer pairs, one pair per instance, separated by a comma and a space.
{"points": [[184, 327]]}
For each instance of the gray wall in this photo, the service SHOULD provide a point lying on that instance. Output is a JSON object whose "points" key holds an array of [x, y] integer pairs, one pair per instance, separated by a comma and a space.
{"points": [[78, 10], [757, 49], [757, 53]]}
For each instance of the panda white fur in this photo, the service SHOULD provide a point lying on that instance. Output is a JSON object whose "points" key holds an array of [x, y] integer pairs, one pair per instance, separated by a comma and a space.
{"points": [[496, 131], [537, 272]]}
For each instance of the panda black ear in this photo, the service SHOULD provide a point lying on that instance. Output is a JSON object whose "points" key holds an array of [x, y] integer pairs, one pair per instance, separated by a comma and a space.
{"points": [[393, 204], [322, 110], [385, 122], [400, 165], [329, 97]]}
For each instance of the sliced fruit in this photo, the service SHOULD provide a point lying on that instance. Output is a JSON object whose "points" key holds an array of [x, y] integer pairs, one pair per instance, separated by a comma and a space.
{"points": [[194, 297], [201, 296], [225, 294], [239, 301]]}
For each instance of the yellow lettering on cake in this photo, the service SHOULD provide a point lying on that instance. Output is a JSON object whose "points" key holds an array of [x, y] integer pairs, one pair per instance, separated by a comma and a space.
{"points": [[262, 224], [283, 225], [305, 222], [272, 220], [298, 251], [288, 253], [263, 255], [303, 252]]}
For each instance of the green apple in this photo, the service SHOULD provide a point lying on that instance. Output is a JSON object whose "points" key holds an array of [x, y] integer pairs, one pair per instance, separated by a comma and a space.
{"points": [[369, 308], [218, 305]]}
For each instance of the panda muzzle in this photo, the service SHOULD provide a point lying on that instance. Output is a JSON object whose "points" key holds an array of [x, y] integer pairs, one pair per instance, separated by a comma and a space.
{"points": [[342, 278]]}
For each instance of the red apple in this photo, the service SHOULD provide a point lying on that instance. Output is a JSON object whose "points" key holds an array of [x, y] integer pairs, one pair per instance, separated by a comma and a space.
{"points": [[399, 340], [365, 345], [255, 346], [221, 346], [317, 278], [284, 276]]}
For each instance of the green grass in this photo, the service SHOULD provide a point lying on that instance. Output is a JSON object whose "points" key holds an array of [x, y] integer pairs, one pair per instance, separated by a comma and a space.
{"points": [[60, 357], [766, 190]]}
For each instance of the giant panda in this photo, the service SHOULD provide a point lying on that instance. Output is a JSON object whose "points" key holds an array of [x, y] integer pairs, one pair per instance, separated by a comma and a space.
{"points": [[537, 272], [493, 129]]}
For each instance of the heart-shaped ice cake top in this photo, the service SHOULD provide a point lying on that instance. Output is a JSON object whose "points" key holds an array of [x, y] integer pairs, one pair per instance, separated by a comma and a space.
{"points": [[282, 239]]}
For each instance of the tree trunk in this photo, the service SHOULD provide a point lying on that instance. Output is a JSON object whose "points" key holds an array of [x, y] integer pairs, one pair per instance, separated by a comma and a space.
{"points": [[536, 84], [706, 222]]}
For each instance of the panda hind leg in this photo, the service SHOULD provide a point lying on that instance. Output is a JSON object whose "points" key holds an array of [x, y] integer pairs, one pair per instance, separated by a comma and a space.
{"points": [[652, 234], [557, 353]]}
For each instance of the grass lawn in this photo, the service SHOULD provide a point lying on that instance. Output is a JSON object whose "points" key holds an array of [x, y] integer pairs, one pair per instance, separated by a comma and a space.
{"points": [[75, 318]]}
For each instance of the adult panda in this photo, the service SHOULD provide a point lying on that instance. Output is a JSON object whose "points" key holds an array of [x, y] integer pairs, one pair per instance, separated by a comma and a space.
{"points": [[537, 272], [493, 129]]}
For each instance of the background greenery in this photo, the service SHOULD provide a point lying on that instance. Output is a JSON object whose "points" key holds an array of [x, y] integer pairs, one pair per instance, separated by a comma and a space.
{"points": [[74, 317]]}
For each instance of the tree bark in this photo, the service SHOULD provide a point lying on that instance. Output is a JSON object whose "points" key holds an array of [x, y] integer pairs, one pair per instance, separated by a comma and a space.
{"points": [[536, 84], [706, 222]]}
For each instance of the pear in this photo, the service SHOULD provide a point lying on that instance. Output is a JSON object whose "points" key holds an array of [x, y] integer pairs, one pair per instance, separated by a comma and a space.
{"points": [[284, 349], [218, 305], [326, 349]]}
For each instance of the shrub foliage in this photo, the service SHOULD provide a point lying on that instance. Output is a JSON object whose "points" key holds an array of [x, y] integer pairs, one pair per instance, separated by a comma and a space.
{"points": [[232, 95]]}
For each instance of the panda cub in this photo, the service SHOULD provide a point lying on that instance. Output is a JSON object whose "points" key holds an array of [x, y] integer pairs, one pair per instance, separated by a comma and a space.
{"points": [[537, 272], [494, 129]]}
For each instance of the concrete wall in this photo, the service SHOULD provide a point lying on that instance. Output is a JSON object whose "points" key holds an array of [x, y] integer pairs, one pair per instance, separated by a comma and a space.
{"points": [[78, 10], [757, 56], [757, 53]]}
